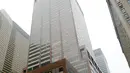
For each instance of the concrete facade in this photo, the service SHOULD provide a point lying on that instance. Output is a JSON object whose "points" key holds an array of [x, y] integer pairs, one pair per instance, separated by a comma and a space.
{"points": [[14, 43], [120, 12], [59, 31], [101, 61]]}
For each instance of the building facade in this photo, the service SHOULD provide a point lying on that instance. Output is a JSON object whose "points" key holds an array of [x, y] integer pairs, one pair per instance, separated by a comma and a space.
{"points": [[61, 66], [120, 13], [14, 43], [59, 31], [101, 61]]}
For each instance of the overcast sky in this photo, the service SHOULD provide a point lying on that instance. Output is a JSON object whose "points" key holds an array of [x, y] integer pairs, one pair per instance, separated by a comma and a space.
{"points": [[98, 21]]}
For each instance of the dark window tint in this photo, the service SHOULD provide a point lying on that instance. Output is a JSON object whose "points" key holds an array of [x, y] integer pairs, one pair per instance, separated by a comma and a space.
{"points": [[33, 52], [33, 63], [30, 69], [24, 71], [33, 59], [45, 55], [34, 48], [34, 56], [45, 59], [45, 51], [61, 69]]}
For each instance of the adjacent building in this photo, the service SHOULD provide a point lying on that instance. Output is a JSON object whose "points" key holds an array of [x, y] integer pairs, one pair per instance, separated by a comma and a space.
{"points": [[101, 61], [120, 13], [59, 31], [14, 43]]}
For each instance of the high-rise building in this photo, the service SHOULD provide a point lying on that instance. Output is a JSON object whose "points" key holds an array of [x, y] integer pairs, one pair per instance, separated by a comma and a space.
{"points": [[120, 13], [101, 61], [14, 43], [59, 31]]}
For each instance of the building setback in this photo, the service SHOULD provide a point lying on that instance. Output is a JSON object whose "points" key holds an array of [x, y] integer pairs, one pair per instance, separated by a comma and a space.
{"points": [[101, 61], [59, 31], [13, 45], [120, 13], [61, 66]]}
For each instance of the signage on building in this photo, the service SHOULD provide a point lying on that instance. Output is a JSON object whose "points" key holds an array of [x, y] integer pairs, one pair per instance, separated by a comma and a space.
{"points": [[126, 16]]}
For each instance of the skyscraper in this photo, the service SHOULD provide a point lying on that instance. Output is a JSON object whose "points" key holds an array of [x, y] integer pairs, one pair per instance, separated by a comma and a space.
{"points": [[101, 61], [120, 13], [59, 31], [14, 45]]}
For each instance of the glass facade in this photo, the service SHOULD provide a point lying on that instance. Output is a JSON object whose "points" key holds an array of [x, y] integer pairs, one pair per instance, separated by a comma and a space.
{"points": [[101, 61], [61, 24]]}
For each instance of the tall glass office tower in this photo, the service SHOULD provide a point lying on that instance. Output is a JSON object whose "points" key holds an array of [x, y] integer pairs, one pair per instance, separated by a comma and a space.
{"points": [[101, 61], [58, 31]]}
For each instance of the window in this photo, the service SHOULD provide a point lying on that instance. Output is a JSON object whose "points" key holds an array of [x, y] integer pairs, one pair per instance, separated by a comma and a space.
{"points": [[61, 69], [34, 56], [33, 63], [45, 59], [34, 52], [34, 48], [35, 67], [30, 69], [45, 51], [45, 55], [24, 71], [81, 51], [33, 59]]}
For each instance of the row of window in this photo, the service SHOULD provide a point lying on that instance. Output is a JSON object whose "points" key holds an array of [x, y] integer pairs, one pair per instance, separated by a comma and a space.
{"points": [[10, 52], [45, 51], [34, 47], [33, 63], [34, 56], [45, 55], [35, 67], [93, 62], [38, 57], [45, 59], [30, 69], [34, 52], [57, 70], [33, 59]]}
